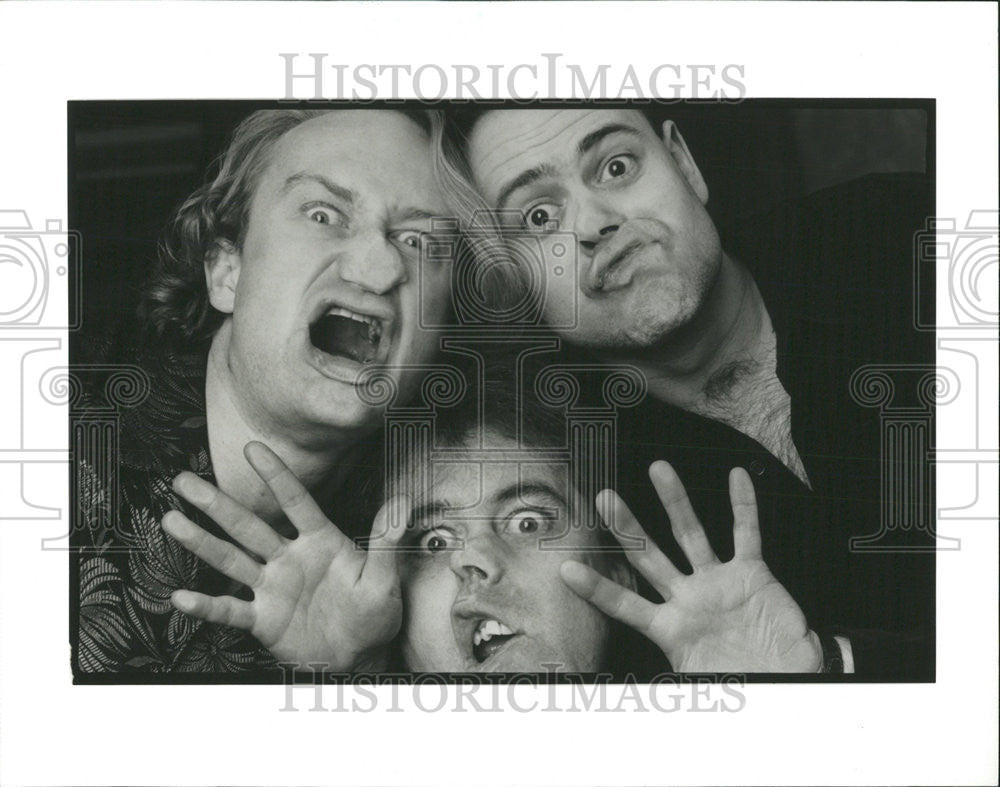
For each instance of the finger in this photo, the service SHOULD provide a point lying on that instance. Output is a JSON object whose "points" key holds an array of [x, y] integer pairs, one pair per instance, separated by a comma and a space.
{"points": [[248, 530], [220, 555], [648, 560], [746, 526], [215, 609], [611, 598], [381, 566], [294, 499], [683, 521]]}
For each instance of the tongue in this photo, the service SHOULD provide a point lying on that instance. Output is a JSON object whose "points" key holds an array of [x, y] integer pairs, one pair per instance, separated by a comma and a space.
{"points": [[338, 335], [487, 648]]}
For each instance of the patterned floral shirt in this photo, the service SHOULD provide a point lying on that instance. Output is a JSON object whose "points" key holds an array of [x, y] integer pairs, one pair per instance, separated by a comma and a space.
{"points": [[127, 450]]}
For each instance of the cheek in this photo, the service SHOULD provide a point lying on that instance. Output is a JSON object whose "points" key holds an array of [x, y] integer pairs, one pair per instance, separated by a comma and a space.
{"points": [[422, 312], [265, 253], [663, 194], [271, 291], [430, 298], [581, 630], [419, 349], [566, 607], [571, 631], [562, 293], [539, 576]]}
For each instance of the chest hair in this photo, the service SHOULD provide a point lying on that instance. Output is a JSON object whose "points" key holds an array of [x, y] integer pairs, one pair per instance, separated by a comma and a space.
{"points": [[748, 396]]}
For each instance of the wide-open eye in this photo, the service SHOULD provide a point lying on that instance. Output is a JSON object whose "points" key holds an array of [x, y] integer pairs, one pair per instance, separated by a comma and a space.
{"points": [[617, 167], [529, 523], [437, 540], [537, 216], [322, 213], [412, 239]]}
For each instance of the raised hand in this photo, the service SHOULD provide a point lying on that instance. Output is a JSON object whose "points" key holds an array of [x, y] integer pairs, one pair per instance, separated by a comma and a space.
{"points": [[318, 599], [724, 617]]}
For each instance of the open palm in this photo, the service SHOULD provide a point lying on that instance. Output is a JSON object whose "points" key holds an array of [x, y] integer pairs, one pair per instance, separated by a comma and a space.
{"points": [[319, 601], [732, 616]]}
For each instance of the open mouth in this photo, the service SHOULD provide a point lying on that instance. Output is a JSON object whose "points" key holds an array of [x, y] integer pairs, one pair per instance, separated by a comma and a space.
{"points": [[343, 333], [489, 638]]}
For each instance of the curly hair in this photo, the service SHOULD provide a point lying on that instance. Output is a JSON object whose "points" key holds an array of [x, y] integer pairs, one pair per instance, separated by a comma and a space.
{"points": [[175, 305]]}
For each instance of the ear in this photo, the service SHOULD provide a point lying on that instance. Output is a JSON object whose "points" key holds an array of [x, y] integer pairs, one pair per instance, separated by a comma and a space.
{"points": [[222, 272], [678, 150]]}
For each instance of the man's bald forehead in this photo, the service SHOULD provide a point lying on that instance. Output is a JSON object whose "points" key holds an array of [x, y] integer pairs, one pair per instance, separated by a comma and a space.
{"points": [[469, 123], [354, 122]]}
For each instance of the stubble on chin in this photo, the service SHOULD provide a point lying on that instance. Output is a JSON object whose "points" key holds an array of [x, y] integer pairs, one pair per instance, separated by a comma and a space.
{"points": [[662, 309], [652, 318]]}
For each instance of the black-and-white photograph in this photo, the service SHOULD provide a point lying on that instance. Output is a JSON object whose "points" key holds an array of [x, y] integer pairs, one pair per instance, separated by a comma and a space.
{"points": [[599, 389], [574, 392]]}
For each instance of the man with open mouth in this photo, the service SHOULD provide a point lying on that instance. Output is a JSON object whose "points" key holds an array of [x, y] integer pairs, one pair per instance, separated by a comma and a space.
{"points": [[282, 279], [491, 567]]}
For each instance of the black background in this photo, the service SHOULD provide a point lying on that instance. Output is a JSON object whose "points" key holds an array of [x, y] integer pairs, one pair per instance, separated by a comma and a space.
{"points": [[131, 163]]}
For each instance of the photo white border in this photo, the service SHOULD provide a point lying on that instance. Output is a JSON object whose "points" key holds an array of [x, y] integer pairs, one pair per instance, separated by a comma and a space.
{"points": [[53, 732]]}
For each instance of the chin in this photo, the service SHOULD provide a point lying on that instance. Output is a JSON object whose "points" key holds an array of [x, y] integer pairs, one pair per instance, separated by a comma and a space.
{"points": [[340, 410], [633, 332], [550, 660], [658, 313], [651, 333]]}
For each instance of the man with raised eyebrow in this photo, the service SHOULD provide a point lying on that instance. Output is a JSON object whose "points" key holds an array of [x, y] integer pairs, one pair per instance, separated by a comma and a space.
{"points": [[749, 357], [280, 281]]}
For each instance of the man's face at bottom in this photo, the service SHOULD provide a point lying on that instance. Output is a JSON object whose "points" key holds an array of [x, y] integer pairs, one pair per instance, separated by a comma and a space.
{"points": [[482, 593]]}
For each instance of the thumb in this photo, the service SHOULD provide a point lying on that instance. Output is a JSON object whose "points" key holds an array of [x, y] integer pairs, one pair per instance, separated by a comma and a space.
{"points": [[388, 531]]}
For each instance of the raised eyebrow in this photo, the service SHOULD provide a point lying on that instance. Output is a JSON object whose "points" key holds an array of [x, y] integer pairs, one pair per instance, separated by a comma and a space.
{"points": [[526, 178], [416, 214], [594, 137], [426, 511], [347, 195], [518, 492]]}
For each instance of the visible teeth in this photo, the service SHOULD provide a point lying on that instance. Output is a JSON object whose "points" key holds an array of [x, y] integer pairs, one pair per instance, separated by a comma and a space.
{"points": [[488, 629], [337, 311], [374, 327]]}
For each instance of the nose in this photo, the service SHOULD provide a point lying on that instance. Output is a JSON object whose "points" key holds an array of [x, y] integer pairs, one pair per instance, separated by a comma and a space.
{"points": [[373, 263], [597, 218], [480, 561]]}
